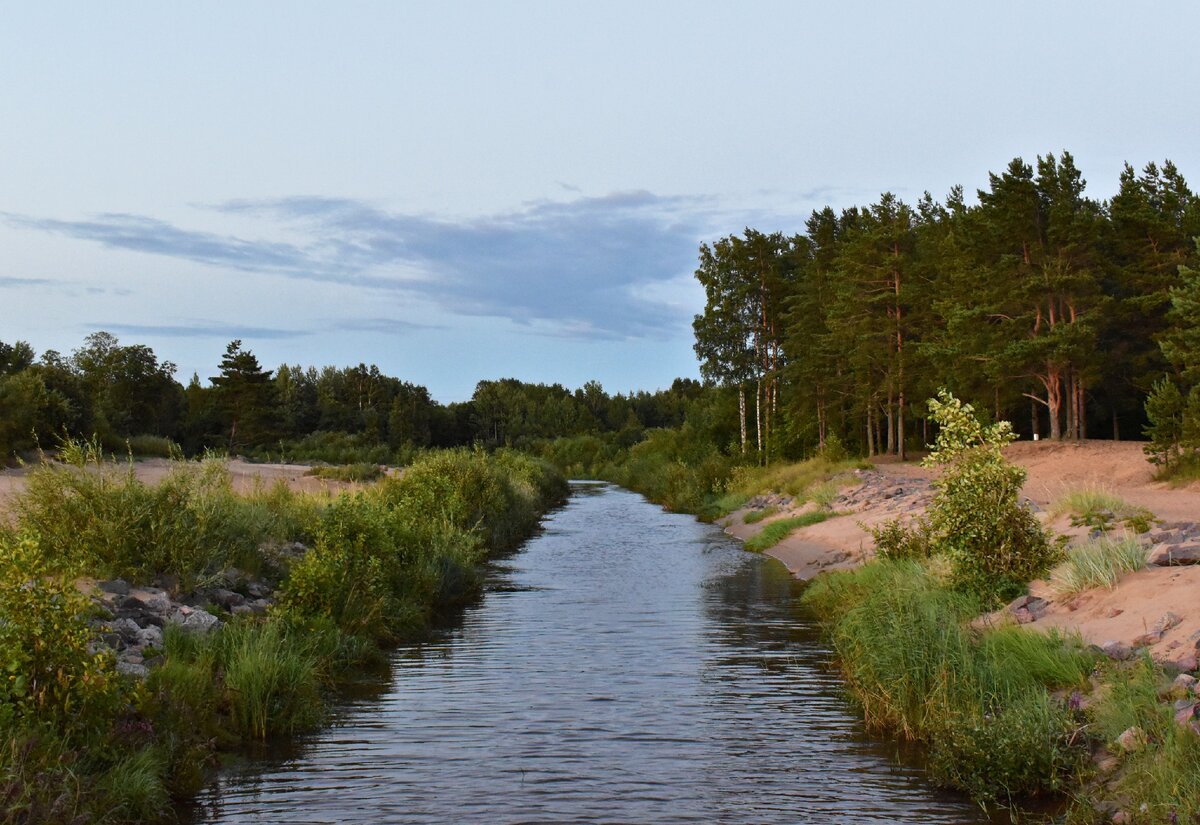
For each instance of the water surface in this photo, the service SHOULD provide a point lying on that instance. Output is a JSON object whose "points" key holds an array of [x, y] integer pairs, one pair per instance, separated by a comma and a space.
{"points": [[627, 666]]}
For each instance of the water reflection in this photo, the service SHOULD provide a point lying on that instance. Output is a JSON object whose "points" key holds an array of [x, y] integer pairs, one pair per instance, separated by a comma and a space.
{"points": [[627, 666]]}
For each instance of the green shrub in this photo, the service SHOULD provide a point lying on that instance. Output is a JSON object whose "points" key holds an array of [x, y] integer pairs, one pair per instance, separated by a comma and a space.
{"points": [[48, 673], [995, 545], [192, 524], [777, 531], [134, 789], [896, 540], [153, 446], [1022, 749]]}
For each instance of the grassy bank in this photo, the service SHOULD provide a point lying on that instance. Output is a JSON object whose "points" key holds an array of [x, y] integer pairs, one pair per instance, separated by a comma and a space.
{"points": [[992, 706], [79, 742]]}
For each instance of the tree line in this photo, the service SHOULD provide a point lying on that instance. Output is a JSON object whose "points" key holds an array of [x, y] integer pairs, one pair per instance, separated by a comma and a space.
{"points": [[1036, 303], [124, 394]]}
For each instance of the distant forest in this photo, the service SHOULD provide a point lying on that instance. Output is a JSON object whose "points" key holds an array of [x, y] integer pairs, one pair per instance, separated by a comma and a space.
{"points": [[126, 396], [1069, 316]]}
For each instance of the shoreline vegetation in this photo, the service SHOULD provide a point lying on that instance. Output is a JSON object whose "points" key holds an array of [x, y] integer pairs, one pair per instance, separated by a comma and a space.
{"points": [[148, 629]]}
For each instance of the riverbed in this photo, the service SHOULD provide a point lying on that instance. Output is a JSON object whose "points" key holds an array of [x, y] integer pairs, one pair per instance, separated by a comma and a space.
{"points": [[626, 666]]}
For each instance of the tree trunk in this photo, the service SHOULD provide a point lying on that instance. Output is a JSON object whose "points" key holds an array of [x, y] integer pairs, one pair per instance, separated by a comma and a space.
{"points": [[1081, 416], [1116, 424], [900, 434], [742, 414], [889, 415], [1053, 384], [1033, 420], [870, 433], [758, 416]]}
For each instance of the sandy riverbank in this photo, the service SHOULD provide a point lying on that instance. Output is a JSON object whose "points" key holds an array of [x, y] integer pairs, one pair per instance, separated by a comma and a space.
{"points": [[1138, 602]]}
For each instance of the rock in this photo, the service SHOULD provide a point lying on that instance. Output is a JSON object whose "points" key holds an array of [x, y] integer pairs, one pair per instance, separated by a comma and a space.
{"points": [[241, 609], [1185, 712], [1113, 612], [150, 637], [1148, 639], [1114, 649], [258, 590], [1168, 621], [226, 598], [1121, 818], [259, 605], [1038, 606], [1189, 663], [112, 640], [127, 629], [118, 587], [1132, 739], [137, 671], [1177, 555], [1023, 615], [168, 583], [195, 620]]}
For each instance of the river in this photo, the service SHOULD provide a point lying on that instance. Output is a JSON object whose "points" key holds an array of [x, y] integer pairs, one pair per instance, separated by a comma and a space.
{"points": [[626, 666]]}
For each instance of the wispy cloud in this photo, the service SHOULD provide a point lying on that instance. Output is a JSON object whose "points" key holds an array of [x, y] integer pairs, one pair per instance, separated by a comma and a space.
{"points": [[201, 330], [580, 268], [15, 283]]}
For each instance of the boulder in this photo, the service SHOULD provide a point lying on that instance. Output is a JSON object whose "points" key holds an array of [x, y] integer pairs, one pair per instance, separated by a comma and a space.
{"points": [[1165, 555], [137, 671], [127, 629], [1114, 649], [150, 637]]}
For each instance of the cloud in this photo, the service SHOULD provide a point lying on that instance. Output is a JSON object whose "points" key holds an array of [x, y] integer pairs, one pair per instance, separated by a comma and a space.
{"points": [[201, 329], [14, 283], [581, 268]]}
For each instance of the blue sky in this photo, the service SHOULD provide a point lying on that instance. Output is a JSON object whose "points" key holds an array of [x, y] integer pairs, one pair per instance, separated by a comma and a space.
{"points": [[460, 191]]}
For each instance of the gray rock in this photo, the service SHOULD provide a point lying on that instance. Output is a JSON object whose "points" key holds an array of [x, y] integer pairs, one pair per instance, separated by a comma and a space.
{"points": [[118, 587], [241, 609], [195, 620], [150, 637], [137, 671], [227, 598], [257, 590], [1179, 554], [127, 629]]}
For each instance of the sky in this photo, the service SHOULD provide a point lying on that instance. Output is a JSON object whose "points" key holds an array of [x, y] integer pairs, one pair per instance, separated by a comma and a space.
{"points": [[474, 190]]}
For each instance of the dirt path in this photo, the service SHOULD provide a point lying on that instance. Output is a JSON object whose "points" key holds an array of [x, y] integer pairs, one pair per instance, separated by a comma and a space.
{"points": [[1125, 617]]}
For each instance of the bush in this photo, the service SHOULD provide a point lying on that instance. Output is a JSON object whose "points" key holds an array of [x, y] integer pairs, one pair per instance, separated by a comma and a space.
{"points": [[995, 545], [191, 525], [48, 673], [896, 540]]}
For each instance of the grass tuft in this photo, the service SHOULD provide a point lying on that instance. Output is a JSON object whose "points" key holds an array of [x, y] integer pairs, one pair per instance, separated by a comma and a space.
{"points": [[1098, 563], [777, 531]]}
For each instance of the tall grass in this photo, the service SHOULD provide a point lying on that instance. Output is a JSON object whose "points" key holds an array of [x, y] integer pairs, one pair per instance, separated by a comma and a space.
{"points": [[981, 701], [191, 525], [818, 479], [1098, 563]]}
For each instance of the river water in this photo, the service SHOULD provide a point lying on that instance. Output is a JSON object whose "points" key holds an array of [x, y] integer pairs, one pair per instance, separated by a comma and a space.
{"points": [[626, 666]]}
